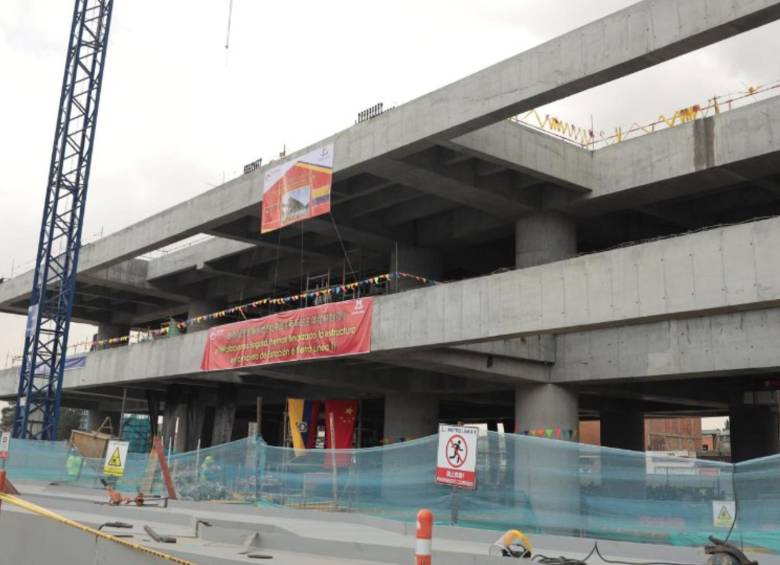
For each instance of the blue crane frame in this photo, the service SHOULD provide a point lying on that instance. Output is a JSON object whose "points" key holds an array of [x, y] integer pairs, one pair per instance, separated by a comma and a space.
{"points": [[54, 283]]}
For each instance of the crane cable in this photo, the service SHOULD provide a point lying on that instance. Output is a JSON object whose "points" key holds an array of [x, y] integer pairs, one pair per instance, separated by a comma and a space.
{"points": [[40, 511]]}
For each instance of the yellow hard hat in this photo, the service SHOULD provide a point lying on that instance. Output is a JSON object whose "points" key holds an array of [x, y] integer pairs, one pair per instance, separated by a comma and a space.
{"points": [[516, 537]]}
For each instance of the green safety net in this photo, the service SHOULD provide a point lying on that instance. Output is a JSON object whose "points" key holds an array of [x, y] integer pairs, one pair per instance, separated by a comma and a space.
{"points": [[535, 484]]}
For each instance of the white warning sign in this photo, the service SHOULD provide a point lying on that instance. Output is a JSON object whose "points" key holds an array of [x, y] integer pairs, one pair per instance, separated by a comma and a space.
{"points": [[5, 445], [723, 513], [456, 460], [116, 457]]}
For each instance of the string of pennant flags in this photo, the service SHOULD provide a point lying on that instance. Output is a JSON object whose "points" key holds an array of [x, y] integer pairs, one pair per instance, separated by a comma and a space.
{"points": [[335, 291], [557, 433]]}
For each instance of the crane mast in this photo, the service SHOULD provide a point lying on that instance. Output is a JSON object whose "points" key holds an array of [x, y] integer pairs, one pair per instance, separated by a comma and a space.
{"points": [[54, 282]]}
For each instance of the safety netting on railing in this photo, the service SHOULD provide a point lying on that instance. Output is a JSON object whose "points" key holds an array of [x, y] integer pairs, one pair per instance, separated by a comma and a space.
{"points": [[535, 484]]}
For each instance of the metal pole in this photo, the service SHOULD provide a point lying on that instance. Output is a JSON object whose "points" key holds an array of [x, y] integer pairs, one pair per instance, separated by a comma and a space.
{"points": [[197, 461], [333, 455], [122, 412]]}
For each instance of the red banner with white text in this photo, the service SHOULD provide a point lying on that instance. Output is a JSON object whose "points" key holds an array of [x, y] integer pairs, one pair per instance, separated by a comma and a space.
{"points": [[329, 330]]}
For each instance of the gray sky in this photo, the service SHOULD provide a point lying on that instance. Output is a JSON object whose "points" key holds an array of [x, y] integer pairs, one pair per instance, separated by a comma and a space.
{"points": [[179, 113]]}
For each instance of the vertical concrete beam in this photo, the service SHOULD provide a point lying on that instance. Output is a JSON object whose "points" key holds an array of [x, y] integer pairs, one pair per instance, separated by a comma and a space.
{"points": [[755, 431], [546, 405], [623, 427], [546, 471], [543, 237], [225, 414], [410, 415], [176, 418], [623, 474]]}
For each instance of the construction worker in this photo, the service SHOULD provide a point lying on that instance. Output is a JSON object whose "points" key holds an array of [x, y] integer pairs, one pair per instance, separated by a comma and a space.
{"points": [[209, 470], [73, 466]]}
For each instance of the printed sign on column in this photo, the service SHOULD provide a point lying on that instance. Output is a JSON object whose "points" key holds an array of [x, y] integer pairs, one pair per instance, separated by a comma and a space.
{"points": [[456, 460], [723, 512], [116, 457], [5, 445]]}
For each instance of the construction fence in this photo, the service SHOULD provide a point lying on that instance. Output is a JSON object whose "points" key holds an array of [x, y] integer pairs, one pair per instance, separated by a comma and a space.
{"points": [[535, 484]]}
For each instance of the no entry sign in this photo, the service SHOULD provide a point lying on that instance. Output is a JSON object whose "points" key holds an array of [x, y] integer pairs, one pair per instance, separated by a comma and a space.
{"points": [[456, 460]]}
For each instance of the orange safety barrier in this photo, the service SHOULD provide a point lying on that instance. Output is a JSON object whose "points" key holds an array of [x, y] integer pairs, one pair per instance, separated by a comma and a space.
{"points": [[422, 553]]}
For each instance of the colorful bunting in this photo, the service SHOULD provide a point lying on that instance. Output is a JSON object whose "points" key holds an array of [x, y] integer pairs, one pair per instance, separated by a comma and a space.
{"points": [[174, 327], [557, 432]]}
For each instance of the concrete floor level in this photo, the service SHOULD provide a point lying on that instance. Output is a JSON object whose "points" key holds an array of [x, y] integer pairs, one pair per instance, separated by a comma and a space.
{"points": [[638, 280]]}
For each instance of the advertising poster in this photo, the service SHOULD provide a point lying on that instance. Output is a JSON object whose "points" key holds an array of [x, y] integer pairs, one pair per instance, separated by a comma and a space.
{"points": [[297, 189]]}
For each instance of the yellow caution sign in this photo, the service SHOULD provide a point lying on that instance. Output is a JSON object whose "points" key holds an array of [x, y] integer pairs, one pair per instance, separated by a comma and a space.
{"points": [[116, 457], [723, 512]]}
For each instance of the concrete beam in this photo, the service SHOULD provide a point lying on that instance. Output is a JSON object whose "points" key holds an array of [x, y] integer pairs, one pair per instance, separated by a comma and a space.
{"points": [[719, 345], [720, 270]]}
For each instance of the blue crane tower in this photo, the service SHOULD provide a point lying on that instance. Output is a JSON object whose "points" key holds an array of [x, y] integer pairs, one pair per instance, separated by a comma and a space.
{"points": [[54, 283]]}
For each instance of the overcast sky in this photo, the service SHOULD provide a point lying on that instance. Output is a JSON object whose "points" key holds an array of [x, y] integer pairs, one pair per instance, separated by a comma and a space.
{"points": [[179, 113]]}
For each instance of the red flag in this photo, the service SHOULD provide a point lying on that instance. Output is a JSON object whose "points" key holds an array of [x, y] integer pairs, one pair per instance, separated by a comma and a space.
{"points": [[340, 418]]}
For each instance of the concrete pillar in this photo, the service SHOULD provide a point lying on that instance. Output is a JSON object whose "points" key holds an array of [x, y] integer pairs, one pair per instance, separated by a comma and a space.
{"points": [[420, 261], [410, 415], [755, 428], [623, 427], [546, 472], [543, 237], [225, 414], [623, 474], [183, 418], [199, 308]]}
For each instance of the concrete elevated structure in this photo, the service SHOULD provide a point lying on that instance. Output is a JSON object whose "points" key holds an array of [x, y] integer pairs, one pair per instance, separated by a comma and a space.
{"points": [[637, 279]]}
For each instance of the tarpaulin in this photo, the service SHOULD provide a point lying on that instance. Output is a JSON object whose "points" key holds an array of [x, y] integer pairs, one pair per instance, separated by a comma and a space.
{"points": [[329, 330]]}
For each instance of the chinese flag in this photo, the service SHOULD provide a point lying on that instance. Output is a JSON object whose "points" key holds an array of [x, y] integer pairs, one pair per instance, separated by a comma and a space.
{"points": [[340, 418]]}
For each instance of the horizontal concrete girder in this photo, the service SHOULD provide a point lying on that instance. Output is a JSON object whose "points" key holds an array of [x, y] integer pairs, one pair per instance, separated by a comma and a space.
{"points": [[724, 269], [717, 345]]}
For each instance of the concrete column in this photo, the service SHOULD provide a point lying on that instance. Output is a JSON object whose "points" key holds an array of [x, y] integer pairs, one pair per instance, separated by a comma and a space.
{"points": [[623, 474], [186, 407], [199, 308], [420, 261], [546, 406], [410, 415], [225, 414], [755, 430], [546, 472], [623, 427], [543, 237]]}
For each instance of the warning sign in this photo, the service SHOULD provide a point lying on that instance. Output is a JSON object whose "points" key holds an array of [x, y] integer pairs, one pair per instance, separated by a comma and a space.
{"points": [[116, 457], [456, 460], [5, 445], [723, 512]]}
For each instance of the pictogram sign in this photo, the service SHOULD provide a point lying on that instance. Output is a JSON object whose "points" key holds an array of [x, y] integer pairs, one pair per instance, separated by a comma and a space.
{"points": [[456, 461]]}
